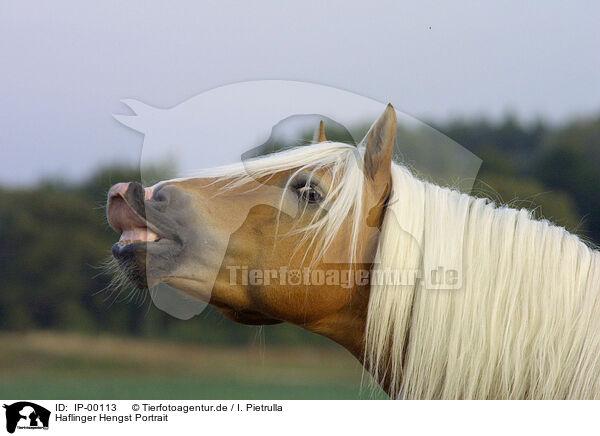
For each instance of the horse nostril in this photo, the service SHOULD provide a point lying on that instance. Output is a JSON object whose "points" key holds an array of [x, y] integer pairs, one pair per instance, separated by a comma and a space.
{"points": [[136, 189], [162, 196]]}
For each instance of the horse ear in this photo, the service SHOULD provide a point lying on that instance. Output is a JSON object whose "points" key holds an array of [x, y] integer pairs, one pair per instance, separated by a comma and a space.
{"points": [[379, 144], [319, 135]]}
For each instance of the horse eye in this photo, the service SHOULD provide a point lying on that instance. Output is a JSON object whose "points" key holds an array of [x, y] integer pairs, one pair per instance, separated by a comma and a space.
{"points": [[309, 194]]}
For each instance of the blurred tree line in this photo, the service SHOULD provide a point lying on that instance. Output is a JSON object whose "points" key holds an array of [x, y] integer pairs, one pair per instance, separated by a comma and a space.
{"points": [[54, 237]]}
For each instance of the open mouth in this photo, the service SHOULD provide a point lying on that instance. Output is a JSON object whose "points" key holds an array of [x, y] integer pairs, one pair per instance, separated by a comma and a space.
{"points": [[132, 226], [126, 215], [138, 234]]}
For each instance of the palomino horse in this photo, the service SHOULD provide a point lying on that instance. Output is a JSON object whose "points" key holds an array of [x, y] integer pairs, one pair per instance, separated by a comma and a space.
{"points": [[518, 319]]}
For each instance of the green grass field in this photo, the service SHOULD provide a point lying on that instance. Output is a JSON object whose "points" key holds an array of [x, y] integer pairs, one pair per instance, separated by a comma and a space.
{"points": [[50, 365]]}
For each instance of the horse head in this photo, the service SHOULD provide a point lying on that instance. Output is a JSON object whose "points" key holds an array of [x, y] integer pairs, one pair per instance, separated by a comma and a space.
{"points": [[268, 241]]}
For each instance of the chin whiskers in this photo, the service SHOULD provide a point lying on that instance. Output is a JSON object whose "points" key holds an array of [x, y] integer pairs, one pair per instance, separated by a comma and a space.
{"points": [[120, 288]]}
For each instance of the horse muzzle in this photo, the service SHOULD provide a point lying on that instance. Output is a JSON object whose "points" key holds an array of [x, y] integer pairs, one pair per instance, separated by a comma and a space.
{"points": [[126, 213]]}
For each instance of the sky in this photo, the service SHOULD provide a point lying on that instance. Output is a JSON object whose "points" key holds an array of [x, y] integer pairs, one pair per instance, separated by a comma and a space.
{"points": [[65, 66]]}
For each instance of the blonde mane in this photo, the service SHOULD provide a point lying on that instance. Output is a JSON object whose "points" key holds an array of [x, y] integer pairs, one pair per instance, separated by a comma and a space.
{"points": [[525, 324], [524, 321]]}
